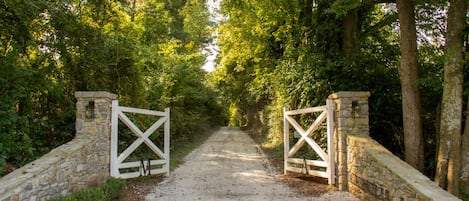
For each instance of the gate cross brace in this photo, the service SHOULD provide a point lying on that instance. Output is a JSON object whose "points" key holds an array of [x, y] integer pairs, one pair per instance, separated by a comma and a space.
{"points": [[142, 137], [305, 136]]}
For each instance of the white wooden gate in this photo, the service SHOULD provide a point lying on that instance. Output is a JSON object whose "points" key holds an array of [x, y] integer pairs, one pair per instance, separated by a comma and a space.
{"points": [[145, 167], [327, 161]]}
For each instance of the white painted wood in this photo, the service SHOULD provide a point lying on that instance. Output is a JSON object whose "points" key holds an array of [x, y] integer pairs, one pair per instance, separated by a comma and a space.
{"points": [[317, 173], [124, 119], [316, 163], [136, 164], [327, 158], [306, 138], [117, 162], [143, 137], [330, 141], [142, 111], [114, 146], [306, 110], [166, 140], [158, 171], [310, 172], [308, 133], [130, 175], [286, 141]]}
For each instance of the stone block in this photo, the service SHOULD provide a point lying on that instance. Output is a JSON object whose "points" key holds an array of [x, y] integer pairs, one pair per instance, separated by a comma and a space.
{"points": [[376, 174]]}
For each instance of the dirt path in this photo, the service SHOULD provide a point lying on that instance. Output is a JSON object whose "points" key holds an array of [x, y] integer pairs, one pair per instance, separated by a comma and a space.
{"points": [[228, 166]]}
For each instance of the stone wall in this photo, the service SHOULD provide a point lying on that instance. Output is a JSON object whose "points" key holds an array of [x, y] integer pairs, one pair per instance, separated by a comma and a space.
{"points": [[366, 168], [376, 174], [80, 163]]}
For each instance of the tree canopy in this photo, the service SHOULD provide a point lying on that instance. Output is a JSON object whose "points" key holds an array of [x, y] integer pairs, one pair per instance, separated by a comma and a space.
{"points": [[273, 54], [293, 54], [147, 52]]}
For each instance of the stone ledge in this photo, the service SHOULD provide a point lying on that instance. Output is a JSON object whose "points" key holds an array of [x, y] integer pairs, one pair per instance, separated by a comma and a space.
{"points": [[350, 94], [423, 187], [20, 178], [95, 94]]}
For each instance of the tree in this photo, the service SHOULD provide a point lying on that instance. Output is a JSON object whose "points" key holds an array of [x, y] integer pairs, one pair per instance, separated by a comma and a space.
{"points": [[464, 172], [409, 74], [449, 151], [147, 52]]}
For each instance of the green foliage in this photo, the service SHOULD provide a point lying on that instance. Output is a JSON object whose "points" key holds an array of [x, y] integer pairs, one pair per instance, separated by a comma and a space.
{"points": [[147, 52], [341, 7], [106, 192], [277, 54], [3, 164], [465, 196]]}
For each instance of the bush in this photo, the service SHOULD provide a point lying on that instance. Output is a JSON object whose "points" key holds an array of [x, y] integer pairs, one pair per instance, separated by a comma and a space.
{"points": [[105, 192], [3, 164]]}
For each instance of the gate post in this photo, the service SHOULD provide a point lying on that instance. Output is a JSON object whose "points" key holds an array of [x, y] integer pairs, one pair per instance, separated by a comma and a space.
{"points": [[93, 117], [351, 118]]}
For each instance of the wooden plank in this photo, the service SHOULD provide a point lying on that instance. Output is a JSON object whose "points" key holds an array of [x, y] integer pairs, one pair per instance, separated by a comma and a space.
{"points": [[167, 140], [317, 149], [150, 131], [306, 138], [125, 120], [158, 171], [317, 173], [330, 141], [126, 153], [305, 110], [300, 161], [295, 169], [310, 172], [114, 171], [142, 111], [308, 133], [155, 126], [129, 175], [143, 138], [286, 141], [328, 163], [117, 161], [139, 163]]}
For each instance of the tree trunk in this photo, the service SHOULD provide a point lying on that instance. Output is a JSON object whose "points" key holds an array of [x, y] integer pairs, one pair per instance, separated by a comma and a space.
{"points": [[464, 170], [306, 18], [408, 73], [307, 14], [449, 152], [350, 46], [134, 10]]}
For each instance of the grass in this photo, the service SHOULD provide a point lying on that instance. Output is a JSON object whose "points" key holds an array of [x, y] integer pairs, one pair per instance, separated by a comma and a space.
{"points": [[110, 190], [139, 187], [181, 148], [115, 188], [272, 148]]}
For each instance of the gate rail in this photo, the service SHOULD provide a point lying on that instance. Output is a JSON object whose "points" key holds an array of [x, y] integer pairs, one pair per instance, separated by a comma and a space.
{"points": [[327, 157], [117, 160]]}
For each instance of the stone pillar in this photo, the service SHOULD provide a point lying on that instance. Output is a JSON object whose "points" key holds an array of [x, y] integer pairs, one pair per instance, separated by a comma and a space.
{"points": [[93, 120], [94, 113], [351, 118]]}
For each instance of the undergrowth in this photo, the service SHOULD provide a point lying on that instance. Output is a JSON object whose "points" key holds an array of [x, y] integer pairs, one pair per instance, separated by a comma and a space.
{"points": [[110, 190], [114, 188], [180, 149]]}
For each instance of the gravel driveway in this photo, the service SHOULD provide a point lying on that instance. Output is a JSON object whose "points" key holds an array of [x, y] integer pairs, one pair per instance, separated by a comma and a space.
{"points": [[228, 166]]}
